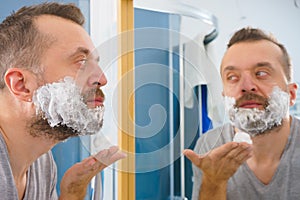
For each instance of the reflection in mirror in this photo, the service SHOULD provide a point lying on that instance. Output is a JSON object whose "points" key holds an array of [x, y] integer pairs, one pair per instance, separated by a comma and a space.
{"points": [[170, 41]]}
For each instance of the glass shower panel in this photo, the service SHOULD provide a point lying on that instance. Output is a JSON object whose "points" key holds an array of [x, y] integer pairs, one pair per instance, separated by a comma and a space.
{"points": [[185, 30]]}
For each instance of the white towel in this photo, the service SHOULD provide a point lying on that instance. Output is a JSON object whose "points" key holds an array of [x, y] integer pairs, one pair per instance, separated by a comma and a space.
{"points": [[199, 70]]}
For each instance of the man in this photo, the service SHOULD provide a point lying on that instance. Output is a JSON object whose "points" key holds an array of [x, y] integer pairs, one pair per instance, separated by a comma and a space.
{"points": [[257, 84], [49, 91]]}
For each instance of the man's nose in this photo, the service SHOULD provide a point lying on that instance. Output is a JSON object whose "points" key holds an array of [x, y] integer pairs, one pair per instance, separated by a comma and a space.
{"points": [[97, 77], [248, 84]]}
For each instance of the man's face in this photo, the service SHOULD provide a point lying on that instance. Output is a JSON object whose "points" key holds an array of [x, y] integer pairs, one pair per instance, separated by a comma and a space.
{"points": [[69, 96], [252, 67], [72, 54], [250, 72]]}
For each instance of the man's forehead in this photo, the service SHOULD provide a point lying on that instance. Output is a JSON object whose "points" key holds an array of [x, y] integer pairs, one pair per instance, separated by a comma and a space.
{"points": [[63, 30]]}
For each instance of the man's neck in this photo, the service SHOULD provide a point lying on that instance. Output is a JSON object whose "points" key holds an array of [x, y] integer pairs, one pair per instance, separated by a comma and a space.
{"points": [[271, 145], [267, 151], [23, 149]]}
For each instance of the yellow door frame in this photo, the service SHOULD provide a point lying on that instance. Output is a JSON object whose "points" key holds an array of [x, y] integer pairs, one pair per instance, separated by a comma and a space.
{"points": [[126, 175]]}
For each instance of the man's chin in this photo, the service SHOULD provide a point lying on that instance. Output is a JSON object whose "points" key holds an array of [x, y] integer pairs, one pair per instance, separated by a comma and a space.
{"points": [[38, 126], [259, 128], [41, 128]]}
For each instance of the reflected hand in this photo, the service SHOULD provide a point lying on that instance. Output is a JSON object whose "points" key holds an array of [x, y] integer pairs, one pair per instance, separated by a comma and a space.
{"points": [[221, 163], [76, 179]]}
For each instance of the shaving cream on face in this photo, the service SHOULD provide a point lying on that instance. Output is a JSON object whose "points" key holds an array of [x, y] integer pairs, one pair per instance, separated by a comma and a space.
{"points": [[255, 121], [61, 103]]}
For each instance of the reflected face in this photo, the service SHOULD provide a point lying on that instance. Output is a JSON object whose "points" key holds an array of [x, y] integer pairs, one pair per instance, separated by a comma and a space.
{"points": [[254, 84], [252, 67], [69, 100], [256, 121]]}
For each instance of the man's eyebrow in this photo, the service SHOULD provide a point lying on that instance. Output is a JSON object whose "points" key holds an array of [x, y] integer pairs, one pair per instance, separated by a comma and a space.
{"points": [[264, 64], [87, 52], [229, 68], [80, 50], [259, 64]]}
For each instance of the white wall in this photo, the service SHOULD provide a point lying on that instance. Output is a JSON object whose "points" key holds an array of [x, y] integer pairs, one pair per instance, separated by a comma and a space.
{"points": [[281, 17], [103, 31]]}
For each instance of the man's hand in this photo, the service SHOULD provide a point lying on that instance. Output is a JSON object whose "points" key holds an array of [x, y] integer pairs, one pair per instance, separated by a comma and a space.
{"points": [[221, 163], [76, 179], [218, 166]]}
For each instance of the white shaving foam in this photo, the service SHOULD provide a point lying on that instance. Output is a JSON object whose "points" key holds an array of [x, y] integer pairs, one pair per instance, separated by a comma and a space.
{"points": [[254, 121], [242, 137], [61, 103]]}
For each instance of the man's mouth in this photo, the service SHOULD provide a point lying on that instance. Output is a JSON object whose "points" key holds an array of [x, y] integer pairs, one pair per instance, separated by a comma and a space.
{"points": [[95, 102], [251, 101], [251, 104], [94, 98]]}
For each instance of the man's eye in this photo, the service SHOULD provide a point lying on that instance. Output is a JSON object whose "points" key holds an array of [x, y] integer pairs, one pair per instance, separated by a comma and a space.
{"points": [[232, 78], [261, 73], [82, 61]]}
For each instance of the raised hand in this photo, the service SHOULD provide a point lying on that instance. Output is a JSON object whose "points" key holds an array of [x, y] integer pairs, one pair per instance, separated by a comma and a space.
{"points": [[218, 166], [76, 179]]}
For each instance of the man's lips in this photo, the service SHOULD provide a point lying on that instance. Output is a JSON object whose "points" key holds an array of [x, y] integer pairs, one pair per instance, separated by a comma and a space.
{"points": [[251, 100], [98, 101], [251, 104]]}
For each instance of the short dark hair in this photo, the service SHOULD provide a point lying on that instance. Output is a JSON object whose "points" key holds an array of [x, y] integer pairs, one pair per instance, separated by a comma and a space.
{"points": [[249, 34], [21, 43]]}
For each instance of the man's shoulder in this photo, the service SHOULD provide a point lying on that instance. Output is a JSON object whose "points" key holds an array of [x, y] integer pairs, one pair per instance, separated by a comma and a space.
{"points": [[296, 118], [295, 123], [7, 185], [45, 160], [223, 131]]}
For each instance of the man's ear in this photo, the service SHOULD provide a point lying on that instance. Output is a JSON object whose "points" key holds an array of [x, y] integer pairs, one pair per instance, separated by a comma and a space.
{"points": [[293, 93], [18, 81]]}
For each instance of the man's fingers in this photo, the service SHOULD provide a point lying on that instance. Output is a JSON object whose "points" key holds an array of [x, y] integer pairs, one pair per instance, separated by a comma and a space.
{"points": [[225, 149], [117, 156], [239, 153], [243, 152], [108, 156], [79, 175], [192, 156], [106, 152], [113, 149]]}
